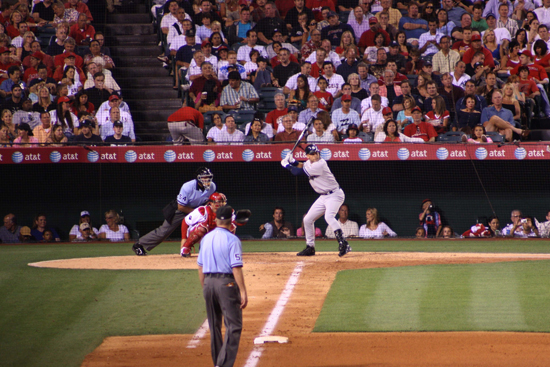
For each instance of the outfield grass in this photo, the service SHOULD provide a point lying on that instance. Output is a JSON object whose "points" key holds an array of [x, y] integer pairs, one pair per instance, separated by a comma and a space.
{"points": [[54, 317], [476, 297]]}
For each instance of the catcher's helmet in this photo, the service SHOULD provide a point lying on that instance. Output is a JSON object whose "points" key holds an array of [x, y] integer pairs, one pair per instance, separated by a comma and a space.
{"points": [[204, 176], [311, 149], [217, 197]]}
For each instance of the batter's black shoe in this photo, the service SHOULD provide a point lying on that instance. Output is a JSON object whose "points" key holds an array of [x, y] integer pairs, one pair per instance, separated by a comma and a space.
{"points": [[343, 246], [308, 251], [139, 250]]}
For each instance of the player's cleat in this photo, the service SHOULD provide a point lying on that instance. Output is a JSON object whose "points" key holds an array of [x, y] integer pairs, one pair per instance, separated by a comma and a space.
{"points": [[308, 251], [139, 250], [343, 246], [186, 252]]}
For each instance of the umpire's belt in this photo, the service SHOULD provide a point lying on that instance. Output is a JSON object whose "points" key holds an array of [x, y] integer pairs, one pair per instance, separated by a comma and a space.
{"points": [[331, 192], [219, 275]]}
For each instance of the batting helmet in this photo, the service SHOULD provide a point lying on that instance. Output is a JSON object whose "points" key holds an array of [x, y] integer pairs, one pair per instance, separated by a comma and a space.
{"points": [[204, 176], [312, 149]]}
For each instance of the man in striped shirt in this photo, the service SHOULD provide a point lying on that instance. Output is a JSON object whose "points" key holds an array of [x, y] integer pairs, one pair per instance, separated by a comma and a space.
{"points": [[238, 95]]}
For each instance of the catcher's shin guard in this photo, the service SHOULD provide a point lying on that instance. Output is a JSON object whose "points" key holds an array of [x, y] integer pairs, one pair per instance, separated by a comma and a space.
{"points": [[194, 237]]}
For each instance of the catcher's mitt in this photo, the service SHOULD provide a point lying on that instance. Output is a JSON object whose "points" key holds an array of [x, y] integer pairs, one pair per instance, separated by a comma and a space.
{"points": [[242, 216]]}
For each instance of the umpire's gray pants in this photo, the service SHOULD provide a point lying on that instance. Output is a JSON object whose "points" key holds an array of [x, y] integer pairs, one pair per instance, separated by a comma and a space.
{"points": [[223, 298], [156, 236], [184, 129]]}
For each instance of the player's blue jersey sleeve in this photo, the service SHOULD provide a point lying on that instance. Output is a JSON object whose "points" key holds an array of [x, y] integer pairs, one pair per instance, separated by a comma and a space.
{"points": [[295, 170]]}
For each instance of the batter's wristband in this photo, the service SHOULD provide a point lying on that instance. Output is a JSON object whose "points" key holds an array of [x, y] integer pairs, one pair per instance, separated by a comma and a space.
{"points": [[295, 163]]}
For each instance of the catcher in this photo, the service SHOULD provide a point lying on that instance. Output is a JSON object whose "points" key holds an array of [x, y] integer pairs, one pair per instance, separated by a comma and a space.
{"points": [[203, 220]]}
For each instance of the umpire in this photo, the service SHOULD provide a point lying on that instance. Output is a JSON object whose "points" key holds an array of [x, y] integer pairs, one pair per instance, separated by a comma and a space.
{"points": [[192, 194], [221, 275]]}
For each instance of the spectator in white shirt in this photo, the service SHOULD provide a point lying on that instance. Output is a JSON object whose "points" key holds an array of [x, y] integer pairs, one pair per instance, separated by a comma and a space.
{"points": [[374, 228], [372, 117], [335, 81], [113, 230], [349, 227], [231, 135], [344, 117], [243, 55], [320, 133]]}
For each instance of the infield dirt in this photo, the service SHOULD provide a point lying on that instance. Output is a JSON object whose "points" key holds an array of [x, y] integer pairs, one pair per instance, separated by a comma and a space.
{"points": [[266, 275]]}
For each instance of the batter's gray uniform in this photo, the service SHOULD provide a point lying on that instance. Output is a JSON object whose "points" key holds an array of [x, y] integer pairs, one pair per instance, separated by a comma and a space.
{"points": [[332, 197], [220, 252]]}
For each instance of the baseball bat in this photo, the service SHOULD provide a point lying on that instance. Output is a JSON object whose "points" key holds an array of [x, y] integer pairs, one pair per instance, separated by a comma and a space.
{"points": [[302, 134]]}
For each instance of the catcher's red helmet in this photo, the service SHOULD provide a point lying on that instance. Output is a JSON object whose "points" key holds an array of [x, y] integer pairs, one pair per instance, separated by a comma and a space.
{"points": [[217, 197]]}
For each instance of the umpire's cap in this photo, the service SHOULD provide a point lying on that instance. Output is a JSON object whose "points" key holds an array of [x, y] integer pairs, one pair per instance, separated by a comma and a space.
{"points": [[312, 149], [224, 213]]}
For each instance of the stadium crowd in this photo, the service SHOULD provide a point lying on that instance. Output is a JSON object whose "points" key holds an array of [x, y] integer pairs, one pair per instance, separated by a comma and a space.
{"points": [[431, 225], [113, 230], [431, 67], [56, 83]]}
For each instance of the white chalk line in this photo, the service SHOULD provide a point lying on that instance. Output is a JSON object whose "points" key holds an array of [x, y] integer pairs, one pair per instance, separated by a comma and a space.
{"points": [[273, 318], [195, 340]]}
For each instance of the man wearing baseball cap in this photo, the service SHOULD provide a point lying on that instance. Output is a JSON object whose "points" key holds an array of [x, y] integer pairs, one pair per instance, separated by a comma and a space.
{"points": [[367, 38], [343, 117], [420, 129], [5, 63], [335, 29], [238, 95], [475, 46], [117, 138]]}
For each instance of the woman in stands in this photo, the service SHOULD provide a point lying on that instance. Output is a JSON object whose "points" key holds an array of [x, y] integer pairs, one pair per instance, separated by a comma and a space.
{"points": [[216, 129], [428, 13], [255, 134], [81, 103], [421, 81], [478, 136], [26, 49], [217, 28], [5, 141], [468, 118], [374, 228], [521, 38], [402, 42], [57, 138], [217, 42], [39, 227], [26, 138], [353, 137], [511, 60], [404, 117], [533, 29], [438, 117], [346, 41], [357, 90], [389, 134], [7, 120], [62, 115], [73, 84], [12, 26], [302, 92], [371, 51], [44, 103], [542, 57], [510, 102], [113, 230], [490, 43]]}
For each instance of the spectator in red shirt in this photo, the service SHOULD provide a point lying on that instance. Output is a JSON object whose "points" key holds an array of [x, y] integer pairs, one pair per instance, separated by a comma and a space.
{"points": [[367, 38], [279, 111], [420, 129], [82, 32], [316, 7]]}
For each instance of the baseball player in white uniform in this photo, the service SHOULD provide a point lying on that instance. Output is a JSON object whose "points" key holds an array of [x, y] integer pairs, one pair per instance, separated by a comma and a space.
{"points": [[332, 197]]}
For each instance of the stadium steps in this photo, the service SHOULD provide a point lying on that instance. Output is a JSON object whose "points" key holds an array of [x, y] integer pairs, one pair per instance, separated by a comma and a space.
{"points": [[146, 86]]}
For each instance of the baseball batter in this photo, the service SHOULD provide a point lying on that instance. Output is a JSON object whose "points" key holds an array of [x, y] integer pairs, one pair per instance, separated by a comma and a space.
{"points": [[192, 194], [199, 222], [332, 197]]}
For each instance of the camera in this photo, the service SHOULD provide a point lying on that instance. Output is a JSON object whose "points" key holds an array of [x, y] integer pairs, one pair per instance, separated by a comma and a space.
{"points": [[523, 221], [431, 207]]}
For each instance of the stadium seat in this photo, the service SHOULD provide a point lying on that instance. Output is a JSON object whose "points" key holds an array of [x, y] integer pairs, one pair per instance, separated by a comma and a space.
{"points": [[244, 116], [268, 92], [367, 137], [344, 16], [451, 137], [495, 136]]}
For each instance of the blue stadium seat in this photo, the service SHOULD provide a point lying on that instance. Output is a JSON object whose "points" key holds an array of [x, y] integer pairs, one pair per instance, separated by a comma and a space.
{"points": [[451, 137], [367, 137], [495, 136]]}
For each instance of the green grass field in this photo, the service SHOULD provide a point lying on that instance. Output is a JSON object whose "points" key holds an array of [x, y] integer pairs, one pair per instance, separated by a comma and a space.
{"points": [[54, 317]]}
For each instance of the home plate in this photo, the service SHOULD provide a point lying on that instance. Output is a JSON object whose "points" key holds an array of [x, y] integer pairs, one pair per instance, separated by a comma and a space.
{"points": [[270, 339]]}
